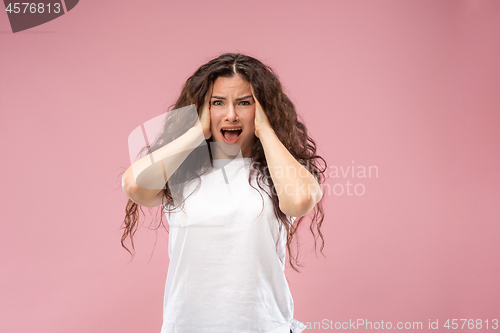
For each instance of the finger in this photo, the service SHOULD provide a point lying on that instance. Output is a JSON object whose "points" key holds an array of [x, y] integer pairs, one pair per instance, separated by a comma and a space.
{"points": [[254, 97], [253, 93], [211, 89], [208, 97]]}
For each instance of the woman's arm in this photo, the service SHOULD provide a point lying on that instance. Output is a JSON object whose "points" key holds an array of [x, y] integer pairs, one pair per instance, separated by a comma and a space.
{"points": [[298, 191], [145, 179]]}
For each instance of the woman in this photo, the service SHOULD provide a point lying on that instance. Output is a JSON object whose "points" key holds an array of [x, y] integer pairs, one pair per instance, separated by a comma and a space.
{"points": [[232, 186]]}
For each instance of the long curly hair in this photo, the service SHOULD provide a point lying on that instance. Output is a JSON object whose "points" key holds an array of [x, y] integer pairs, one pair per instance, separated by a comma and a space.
{"points": [[283, 119]]}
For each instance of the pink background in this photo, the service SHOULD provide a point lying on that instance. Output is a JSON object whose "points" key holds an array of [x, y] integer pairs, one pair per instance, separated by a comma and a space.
{"points": [[411, 87]]}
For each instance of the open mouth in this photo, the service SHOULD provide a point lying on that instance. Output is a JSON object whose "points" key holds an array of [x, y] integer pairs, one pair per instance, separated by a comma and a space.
{"points": [[231, 135]]}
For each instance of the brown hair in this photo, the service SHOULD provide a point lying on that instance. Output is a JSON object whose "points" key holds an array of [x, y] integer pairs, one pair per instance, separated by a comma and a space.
{"points": [[283, 119]]}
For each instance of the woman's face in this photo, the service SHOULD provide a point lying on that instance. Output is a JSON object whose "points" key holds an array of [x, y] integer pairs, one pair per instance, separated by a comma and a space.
{"points": [[232, 113]]}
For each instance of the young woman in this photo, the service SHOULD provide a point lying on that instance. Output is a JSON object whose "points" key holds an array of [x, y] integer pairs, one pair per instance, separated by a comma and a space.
{"points": [[235, 187]]}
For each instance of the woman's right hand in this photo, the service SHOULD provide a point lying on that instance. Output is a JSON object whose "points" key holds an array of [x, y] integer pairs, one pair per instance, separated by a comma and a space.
{"points": [[205, 114]]}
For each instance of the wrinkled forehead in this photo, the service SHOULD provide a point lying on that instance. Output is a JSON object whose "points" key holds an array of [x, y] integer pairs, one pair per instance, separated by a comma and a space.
{"points": [[231, 86]]}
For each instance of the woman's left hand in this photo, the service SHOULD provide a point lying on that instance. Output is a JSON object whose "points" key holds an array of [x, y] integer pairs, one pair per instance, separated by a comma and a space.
{"points": [[261, 120]]}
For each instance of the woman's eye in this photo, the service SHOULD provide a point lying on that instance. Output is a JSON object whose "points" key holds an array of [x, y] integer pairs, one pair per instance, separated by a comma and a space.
{"points": [[245, 103], [217, 103]]}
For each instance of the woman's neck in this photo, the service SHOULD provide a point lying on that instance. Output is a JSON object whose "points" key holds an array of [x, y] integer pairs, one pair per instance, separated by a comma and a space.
{"points": [[222, 150]]}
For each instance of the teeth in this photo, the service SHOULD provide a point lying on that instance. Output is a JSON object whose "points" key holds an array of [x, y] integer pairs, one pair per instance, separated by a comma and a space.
{"points": [[231, 129]]}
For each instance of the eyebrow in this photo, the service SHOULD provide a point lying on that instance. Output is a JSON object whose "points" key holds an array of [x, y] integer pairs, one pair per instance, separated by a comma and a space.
{"points": [[238, 99]]}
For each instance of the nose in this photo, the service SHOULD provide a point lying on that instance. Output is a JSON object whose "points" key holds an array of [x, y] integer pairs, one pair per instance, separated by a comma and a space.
{"points": [[231, 116]]}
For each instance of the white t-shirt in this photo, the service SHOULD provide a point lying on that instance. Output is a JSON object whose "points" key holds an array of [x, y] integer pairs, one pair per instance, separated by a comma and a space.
{"points": [[227, 259]]}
